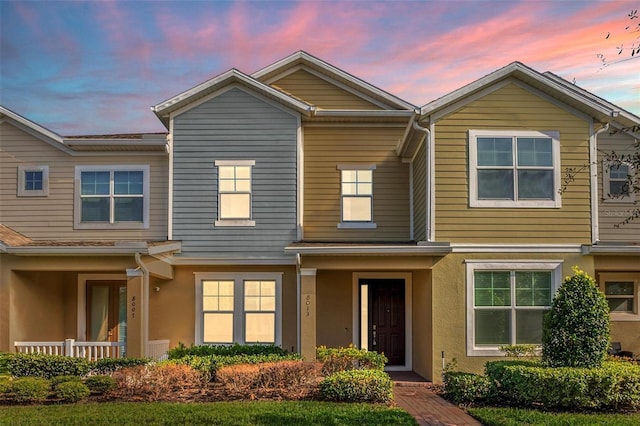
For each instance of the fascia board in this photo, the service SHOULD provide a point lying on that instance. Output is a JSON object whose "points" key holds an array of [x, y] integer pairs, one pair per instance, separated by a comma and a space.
{"points": [[362, 113], [612, 250], [382, 249], [174, 246], [77, 250], [515, 248]]}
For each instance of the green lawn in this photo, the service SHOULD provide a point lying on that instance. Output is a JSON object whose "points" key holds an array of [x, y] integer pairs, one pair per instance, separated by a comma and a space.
{"points": [[492, 416], [216, 413]]}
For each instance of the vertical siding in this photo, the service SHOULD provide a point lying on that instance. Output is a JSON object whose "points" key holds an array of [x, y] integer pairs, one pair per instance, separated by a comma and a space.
{"points": [[612, 212], [419, 195], [510, 107], [320, 93], [327, 147], [235, 126], [51, 217]]}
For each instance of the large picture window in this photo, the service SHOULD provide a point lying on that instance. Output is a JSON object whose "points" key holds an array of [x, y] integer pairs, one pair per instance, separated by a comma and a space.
{"points": [[112, 196], [234, 192], [356, 186], [238, 308], [507, 303], [514, 169]]}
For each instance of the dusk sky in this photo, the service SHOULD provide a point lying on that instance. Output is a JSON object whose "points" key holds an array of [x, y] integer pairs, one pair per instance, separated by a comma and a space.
{"points": [[94, 67]]}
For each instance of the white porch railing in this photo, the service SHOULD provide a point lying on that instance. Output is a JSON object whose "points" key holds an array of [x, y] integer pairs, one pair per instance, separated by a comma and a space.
{"points": [[157, 349], [91, 351]]}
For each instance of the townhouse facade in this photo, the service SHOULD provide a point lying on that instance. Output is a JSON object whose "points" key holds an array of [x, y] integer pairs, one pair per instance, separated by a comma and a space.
{"points": [[302, 206]]}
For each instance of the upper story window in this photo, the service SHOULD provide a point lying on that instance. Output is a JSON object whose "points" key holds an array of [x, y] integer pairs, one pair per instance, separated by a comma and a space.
{"points": [[33, 181], [112, 197], [356, 183], [234, 192], [617, 184], [506, 303], [514, 169], [622, 291]]}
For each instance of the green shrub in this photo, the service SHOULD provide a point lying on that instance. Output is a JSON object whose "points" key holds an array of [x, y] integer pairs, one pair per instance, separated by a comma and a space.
{"points": [[208, 365], [182, 351], [55, 381], [47, 366], [349, 358], [100, 384], [30, 389], [5, 384], [576, 329], [466, 388], [109, 365], [4, 361], [71, 391], [615, 385], [519, 351], [357, 386]]}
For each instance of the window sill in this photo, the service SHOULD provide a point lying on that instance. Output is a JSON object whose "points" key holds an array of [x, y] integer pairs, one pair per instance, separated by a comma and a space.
{"points": [[506, 204], [485, 351], [120, 225], [231, 223], [624, 317], [36, 193], [357, 225]]}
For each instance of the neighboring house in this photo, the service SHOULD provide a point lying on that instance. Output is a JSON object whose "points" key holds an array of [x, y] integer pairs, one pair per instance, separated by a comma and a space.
{"points": [[302, 206]]}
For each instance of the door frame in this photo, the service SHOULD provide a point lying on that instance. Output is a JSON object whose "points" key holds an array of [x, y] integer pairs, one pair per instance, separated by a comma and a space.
{"points": [[81, 324], [408, 303]]}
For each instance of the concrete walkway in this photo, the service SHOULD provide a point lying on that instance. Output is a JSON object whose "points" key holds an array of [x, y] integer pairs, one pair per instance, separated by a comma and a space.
{"points": [[414, 394]]}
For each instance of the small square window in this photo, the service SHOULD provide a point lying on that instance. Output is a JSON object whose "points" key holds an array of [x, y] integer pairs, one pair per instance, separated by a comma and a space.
{"points": [[617, 181], [622, 292], [33, 181]]}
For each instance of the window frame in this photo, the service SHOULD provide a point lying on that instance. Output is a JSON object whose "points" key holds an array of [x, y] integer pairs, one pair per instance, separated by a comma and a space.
{"points": [[220, 221], [553, 266], [356, 224], [474, 201], [604, 277], [606, 184], [22, 191], [112, 224], [239, 312]]}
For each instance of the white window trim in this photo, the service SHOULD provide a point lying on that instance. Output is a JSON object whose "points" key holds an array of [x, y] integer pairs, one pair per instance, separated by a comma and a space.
{"points": [[238, 303], [606, 180], [235, 222], [473, 170], [623, 276], [77, 209], [555, 266], [22, 191], [370, 224]]}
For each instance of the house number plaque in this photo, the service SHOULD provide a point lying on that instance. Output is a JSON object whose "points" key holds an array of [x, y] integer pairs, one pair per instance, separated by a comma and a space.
{"points": [[133, 306]]}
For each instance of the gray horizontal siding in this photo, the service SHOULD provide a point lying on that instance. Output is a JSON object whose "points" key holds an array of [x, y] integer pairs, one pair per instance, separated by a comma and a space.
{"points": [[235, 126]]}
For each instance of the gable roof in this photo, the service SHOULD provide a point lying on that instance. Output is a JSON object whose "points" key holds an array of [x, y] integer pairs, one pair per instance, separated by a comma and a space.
{"points": [[306, 60], [164, 109]]}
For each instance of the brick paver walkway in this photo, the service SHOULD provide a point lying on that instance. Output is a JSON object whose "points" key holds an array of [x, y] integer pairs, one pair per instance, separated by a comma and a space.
{"points": [[413, 394]]}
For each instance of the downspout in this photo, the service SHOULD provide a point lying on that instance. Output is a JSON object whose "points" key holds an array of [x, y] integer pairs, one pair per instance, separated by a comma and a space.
{"points": [[593, 170], [145, 301], [427, 173], [298, 303]]}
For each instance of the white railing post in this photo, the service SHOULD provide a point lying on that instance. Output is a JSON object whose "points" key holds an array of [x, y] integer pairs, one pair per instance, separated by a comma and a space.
{"points": [[68, 347]]}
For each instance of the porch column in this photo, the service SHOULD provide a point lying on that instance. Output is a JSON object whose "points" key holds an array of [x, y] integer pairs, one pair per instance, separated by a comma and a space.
{"points": [[308, 313], [135, 323]]}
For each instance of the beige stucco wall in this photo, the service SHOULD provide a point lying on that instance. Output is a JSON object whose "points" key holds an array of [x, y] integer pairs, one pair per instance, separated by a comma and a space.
{"points": [[334, 295], [422, 323], [449, 303]]}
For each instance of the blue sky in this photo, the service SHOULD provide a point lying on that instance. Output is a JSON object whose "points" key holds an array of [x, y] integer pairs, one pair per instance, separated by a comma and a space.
{"points": [[95, 67]]}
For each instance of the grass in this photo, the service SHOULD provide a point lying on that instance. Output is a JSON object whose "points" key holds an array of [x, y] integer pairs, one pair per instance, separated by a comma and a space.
{"points": [[216, 413], [493, 416]]}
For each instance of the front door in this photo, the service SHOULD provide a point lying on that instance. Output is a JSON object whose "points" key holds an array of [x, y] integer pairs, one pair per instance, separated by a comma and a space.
{"points": [[106, 311], [386, 320]]}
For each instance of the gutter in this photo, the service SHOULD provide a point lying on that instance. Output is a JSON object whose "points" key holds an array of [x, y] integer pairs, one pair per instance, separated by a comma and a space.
{"points": [[593, 172]]}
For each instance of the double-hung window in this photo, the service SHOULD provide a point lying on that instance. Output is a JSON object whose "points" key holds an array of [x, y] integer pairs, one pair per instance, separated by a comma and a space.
{"points": [[238, 308], [356, 186], [617, 183], [234, 192], [506, 303], [33, 181], [514, 169], [112, 196], [621, 291]]}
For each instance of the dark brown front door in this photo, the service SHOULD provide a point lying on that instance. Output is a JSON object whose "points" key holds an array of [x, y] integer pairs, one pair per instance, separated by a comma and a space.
{"points": [[386, 318], [106, 311]]}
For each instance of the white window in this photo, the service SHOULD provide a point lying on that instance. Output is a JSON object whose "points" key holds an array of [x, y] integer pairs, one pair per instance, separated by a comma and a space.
{"points": [[617, 184], [506, 303], [238, 308], [112, 196], [514, 169], [356, 186], [622, 293], [33, 181], [234, 193]]}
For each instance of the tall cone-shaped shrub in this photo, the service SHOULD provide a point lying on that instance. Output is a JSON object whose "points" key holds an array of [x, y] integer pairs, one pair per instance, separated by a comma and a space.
{"points": [[576, 330]]}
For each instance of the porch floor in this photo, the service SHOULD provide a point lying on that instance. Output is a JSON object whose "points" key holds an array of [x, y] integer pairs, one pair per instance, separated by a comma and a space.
{"points": [[415, 395]]}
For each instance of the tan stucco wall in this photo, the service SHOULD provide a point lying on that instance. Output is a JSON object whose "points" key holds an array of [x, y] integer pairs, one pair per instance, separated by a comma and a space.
{"points": [[449, 306], [422, 323], [335, 312]]}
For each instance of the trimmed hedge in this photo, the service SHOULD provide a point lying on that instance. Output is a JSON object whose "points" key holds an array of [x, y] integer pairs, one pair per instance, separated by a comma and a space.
{"points": [[467, 388], [357, 386], [208, 365], [109, 365], [46, 366], [349, 358], [100, 384], [71, 391], [615, 385], [236, 349], [30, 389]]}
